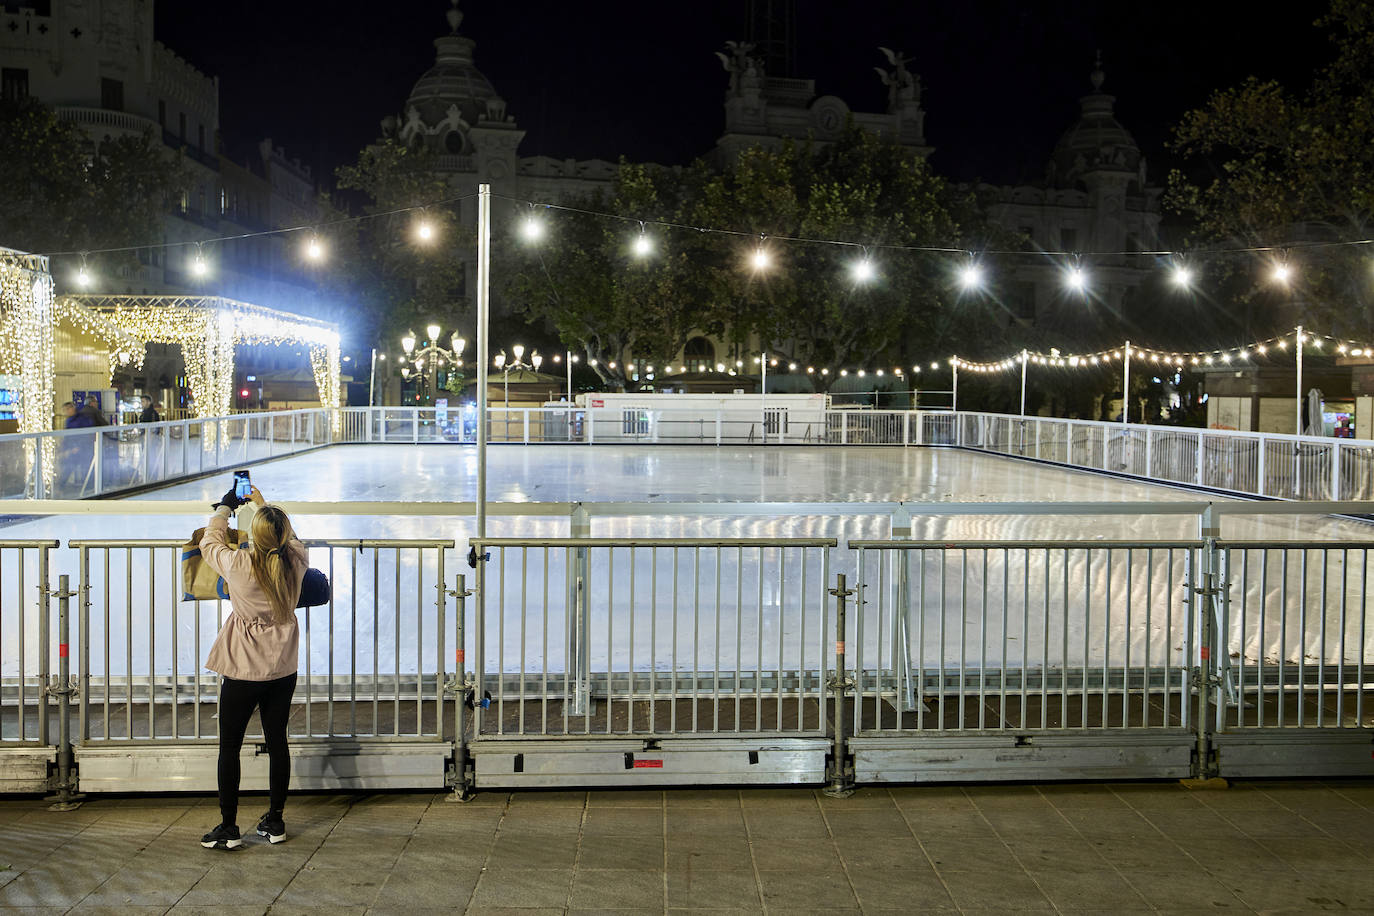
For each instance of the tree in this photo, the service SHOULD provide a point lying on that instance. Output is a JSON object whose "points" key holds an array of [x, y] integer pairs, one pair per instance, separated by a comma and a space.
{"points": [[399, 281], [807, 305], [1267, 165], [63, 193]]}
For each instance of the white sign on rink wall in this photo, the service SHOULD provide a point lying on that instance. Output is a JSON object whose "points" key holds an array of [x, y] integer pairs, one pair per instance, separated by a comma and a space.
{"points": [[652, 417]]}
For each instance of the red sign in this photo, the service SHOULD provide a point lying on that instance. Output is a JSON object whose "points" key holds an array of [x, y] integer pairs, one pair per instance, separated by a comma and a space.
{"points": [[648, 764], [598, 402]]}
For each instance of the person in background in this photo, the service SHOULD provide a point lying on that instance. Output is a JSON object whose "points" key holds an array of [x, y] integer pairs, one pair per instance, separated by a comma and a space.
{"points": [[92, 415], [74, 420], [1343, 429], [149, 414], [255, 654]]}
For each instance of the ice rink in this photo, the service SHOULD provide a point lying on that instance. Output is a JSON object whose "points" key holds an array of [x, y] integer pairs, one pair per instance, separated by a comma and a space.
{"points": [[384, 618]]}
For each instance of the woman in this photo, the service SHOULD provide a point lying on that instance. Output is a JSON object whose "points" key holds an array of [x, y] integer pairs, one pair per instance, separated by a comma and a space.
{"points": [[255, 654]]}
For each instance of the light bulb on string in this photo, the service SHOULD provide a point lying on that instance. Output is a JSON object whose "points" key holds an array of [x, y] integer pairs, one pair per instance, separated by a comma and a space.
{"points": [[532, 228], [863, 269], [83, 277], [643, 246], [1076, 279], [760, 259], [198, 265], [971, 275], [1281, 273], [314, 250], [1182, 276], [424, 229]]}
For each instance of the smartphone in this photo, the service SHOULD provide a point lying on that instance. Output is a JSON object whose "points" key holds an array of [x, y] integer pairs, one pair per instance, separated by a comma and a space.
{"points": [[243, 487]]}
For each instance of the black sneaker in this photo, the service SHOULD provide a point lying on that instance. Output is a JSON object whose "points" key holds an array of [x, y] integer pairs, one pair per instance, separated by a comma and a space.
{"points": [[273, 827], [225, 836]]}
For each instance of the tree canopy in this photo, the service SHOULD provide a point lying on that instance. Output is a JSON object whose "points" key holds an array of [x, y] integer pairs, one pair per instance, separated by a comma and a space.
{"points": [[1265, 164], [808, 304], [63, 193]]}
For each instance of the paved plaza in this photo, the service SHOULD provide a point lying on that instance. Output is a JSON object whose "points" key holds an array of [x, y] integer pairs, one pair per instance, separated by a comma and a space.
{"points": [[1081, 848]]}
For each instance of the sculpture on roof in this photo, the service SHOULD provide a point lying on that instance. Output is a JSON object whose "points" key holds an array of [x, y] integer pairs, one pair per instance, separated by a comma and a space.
{"points": [[903, 86], [744, 69]]}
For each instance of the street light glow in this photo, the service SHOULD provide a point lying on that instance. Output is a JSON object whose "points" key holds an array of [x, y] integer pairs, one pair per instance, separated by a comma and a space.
{"points": [[425, 230], [433, 331], [532, 229], [971, 277], [760, 260], [1075, 279], [313, 249], [1183, 277], [864, 270], [643, 245], [1282, 273]]}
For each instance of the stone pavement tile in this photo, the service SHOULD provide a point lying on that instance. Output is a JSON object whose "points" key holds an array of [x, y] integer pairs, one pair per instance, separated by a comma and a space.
{"points": [[1307, 799], [626, 798], [1316, 852], [1239, 797], [430, 887], [241, 881], [702, 798], [333, 887], [704, 844], [621, 852], [400, 908], [867, 823], [704, 861], [513, 911], [1114, 823], [618, 888], [863, 797], [1354, 824], [1264, 890], [1026, 823], [1275, 823], [430, 852], [523, 886], [1181, 888], [1157, 796], [1092, 796], [56, 884], [148, 886], [931, 798], [1352, 888], [777, 855], [35, 910], [915, 888], [792, 825], [1094, 889], [1005, 892], [617, 911], [970, 855], [295, 909], [349, 844], [713, 887], [1193, 825], [806, 887], [1064, 854], [543, 820], [968, 823], [227, 909], [645, 822], [886, 852], [1136, 851], [714, 911], [713, 820], [1237, 853], [554, 799], [106, 909], [753, 798], [524, 849], [1007, 798]]}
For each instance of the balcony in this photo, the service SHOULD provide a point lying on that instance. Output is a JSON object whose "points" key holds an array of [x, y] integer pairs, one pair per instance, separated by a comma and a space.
{"points": [[111, 121]]}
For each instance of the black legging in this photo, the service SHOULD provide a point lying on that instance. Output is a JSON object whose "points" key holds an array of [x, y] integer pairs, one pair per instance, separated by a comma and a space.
{"points": [[237, 699]]}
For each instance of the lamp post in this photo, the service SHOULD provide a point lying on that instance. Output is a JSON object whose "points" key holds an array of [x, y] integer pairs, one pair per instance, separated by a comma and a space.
{"points": [[430, 355], [500, 361]]}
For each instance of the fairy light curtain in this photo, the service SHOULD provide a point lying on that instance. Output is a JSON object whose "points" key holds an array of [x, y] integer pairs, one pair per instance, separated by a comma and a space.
{"points": [[209, 328], [26, 334]]}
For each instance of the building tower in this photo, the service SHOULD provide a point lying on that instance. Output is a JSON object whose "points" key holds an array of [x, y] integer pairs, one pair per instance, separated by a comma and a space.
{"points": [[772, 30]]}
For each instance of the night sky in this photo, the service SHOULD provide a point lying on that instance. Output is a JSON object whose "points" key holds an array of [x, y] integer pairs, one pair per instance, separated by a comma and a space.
{"points": [[639, 78]]}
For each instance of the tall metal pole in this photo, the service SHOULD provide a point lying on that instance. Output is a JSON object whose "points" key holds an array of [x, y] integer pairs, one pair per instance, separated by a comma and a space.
{"points": [[372, 380], [1297, 413], [954, 401], [1126, 385], [567, 356], [1023, 382], [763, 395], [483, 304]]}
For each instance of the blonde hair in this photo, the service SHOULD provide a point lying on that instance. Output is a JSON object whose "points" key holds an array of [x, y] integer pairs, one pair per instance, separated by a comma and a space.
{"points": [[273, 562]]}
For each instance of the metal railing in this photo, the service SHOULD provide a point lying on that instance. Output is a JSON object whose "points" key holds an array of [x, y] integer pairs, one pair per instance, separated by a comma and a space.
{"points": [[1258, 464], [618, 660], [95, 461], [372, 660], [676, 636]]}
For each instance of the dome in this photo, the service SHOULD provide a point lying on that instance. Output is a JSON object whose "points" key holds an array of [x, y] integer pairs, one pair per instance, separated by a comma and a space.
{"points": [[452, 81], [1096, 142]]}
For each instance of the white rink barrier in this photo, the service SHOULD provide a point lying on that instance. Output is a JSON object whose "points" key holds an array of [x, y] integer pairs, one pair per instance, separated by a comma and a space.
{"points": [[619, 661]]}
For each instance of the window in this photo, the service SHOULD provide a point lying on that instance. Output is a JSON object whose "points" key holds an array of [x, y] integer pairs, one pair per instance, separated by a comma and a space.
{"points": [[775, 421], [111, 94], [634, 421], [181, 125], [162, 113], [200, 132], [223, 201], [699, 354], [185, 202], [14, 84]]}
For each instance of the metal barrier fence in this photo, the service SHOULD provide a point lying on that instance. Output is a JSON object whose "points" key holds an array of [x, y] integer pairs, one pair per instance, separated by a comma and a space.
{"points": [[624, 661], [1259, 464], [95, 461]]}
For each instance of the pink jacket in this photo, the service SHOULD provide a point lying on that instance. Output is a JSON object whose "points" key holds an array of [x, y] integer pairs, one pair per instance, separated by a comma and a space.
{"points": [[249, 647]]}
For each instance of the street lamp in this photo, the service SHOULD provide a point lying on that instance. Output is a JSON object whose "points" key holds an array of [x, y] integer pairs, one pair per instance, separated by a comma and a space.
{"points": [[507, 366], [431, 356]]}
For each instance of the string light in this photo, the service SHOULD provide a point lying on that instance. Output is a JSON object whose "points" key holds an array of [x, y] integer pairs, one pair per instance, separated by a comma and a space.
{"points": [[198, 265], [424, 230], [1076, 279], [643, 245], [971, 276], [863, 269], [83, 277], [532, 228], [1182, 276], [760, 258], [313, 249]]}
